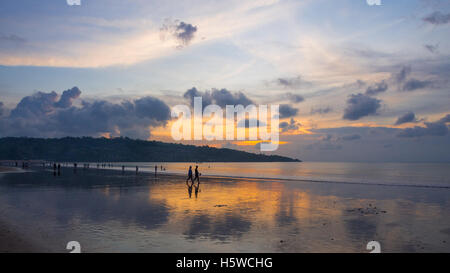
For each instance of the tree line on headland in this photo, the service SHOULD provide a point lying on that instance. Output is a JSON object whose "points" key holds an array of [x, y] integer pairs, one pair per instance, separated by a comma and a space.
{"points": [[122, 149]]}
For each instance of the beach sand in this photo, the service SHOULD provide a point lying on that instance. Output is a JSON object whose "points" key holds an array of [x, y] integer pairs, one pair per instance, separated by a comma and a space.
{"points": [[107, 211]]}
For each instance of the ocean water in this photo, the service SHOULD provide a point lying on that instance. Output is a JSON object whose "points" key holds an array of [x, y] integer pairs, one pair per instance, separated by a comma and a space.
{"points": [[395, 174]]}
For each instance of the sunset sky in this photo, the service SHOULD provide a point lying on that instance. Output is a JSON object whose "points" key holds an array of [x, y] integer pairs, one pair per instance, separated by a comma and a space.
{"points": [[354, 82]]}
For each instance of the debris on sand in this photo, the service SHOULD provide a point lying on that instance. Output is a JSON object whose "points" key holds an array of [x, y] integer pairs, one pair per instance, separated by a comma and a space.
{"points": [[369, 210]]}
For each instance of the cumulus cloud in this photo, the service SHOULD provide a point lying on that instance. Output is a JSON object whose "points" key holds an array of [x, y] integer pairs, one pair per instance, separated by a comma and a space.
{"points": [[287, 111], [406, 118], [415, 84], [221, 97], [361, 105], [68, 97], [377, 88], [48, 115], [437, 18], [292, 125], [438, 128], [183, 32]]}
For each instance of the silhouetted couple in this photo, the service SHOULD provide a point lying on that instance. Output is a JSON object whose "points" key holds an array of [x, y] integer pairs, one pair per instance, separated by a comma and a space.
{"points": [[197, 177]]}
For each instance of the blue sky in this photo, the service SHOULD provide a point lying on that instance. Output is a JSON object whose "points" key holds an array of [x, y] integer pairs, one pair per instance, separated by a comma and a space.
{"points": [[324, 51]]}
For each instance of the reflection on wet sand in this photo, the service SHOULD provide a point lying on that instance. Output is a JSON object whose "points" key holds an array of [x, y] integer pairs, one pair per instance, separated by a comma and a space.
{"points": [[108, 211]]}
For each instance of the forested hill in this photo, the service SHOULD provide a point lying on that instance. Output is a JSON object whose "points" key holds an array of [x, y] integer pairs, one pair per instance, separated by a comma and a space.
{"points": [[90, 149]]}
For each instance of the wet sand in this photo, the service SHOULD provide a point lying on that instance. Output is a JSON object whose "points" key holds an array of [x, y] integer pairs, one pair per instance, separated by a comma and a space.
{"points": [[11, 242], [107, 211], [4, 169]]}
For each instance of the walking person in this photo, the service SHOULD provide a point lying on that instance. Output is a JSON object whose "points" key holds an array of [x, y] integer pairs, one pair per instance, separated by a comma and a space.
{"points": [[190, 177], [156, 169], [197, 175]]}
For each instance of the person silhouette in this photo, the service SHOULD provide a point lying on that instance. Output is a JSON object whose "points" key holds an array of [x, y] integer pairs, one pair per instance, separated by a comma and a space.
{"points": [[156, 169], [197, 175], [190, 177], [59, 169]]}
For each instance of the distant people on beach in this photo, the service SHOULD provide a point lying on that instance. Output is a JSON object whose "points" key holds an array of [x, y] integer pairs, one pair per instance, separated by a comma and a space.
{"points": [[137, 169], [156, 169], [59, 169], [123, 168]]}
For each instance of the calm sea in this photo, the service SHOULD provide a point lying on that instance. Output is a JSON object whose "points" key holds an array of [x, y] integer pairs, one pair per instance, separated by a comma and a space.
{"points": [[398, 174]]}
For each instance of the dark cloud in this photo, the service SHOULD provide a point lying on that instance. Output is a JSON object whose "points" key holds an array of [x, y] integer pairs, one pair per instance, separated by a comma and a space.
{"points": [[68, 97], [221, 97], [193, 92], [36, 105], [361, 105], [437, 18], [403, 74], [224, 97], [250, 123], [321, 110], [294, 97], [438, 128], [377, 88], [414, 84], [406, 118], [287, 111], [185, 32], [351, 137], [291, 82], [292, 125], [445, 119], [182, 32], [430, 129], [432, 48], [44, 115]]}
